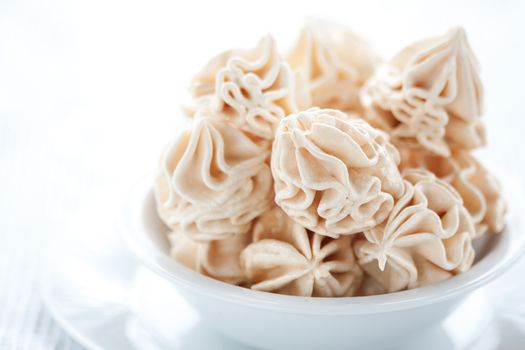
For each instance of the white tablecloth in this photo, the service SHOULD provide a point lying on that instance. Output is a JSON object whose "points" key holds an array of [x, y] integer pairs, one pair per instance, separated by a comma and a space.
{"points": [[89, 93]]}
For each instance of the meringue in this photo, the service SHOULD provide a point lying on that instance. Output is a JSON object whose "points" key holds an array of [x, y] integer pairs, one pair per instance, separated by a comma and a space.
{"points": [[219, 259], [252, 89], [213, 181], [334, 174], [285, 258], [426, 238], [330, 64], [429, 96], [328, 173], [480, 190]]}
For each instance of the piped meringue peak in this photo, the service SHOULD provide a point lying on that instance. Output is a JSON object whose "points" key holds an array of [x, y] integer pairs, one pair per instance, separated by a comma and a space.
{"points": [[429, 96], [480, 190], [253, 89], [334, 174], [426, 238], [213, 181], [327, 173], [288, 259], [330, 64]]}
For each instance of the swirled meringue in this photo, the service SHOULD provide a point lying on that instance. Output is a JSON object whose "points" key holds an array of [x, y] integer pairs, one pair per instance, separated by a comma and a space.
{"points": [[334, 174], [253, 89], [426, 238], [219, 259], [429, 96], [480, 190], [213, 181], [285, 258], [330, 64]]}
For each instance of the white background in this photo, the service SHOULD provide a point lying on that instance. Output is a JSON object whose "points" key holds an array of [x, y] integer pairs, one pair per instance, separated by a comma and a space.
{"points": [[90, 92]]}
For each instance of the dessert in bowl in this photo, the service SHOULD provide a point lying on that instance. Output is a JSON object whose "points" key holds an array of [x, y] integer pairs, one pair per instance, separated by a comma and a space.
{"points": [[327, 174], [275, 321]]}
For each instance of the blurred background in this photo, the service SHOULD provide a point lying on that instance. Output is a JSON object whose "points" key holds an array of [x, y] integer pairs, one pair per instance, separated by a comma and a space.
{"points": [[90, 91]]}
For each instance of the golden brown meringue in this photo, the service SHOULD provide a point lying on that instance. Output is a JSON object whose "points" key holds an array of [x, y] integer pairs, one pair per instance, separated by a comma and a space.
{"points": [[480, 190], [334, 174], [285, 258], [252, 89], [426, 238], [219, 259], [213, 181], [330, 64], [429, 96]]}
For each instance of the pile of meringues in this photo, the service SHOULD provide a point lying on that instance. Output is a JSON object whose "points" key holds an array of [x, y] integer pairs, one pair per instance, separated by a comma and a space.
{"points": [[329, 172]]}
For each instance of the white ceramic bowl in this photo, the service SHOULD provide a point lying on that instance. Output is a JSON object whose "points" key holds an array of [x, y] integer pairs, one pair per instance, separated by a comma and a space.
{"points": [[267, 320]]}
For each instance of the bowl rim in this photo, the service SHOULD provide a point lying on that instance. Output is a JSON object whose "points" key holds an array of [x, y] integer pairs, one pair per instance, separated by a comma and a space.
{"points": [[508, 248]]}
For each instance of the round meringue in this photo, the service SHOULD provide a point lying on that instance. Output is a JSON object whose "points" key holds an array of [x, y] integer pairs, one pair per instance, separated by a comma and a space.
{"points": [[429, 96], [253, 89], [426, 238], [219, 259], [285, 258], [480, 190], [334, 174], [330, 64], [213, 181]]}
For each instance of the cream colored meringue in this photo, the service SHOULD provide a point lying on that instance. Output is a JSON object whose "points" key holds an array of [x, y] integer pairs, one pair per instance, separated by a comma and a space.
{"points": [[285, 258], [480, 190], [253, 89], [426, 238], [203, 83], [334, 174], [213, 181], [371, 286], [330, 64], [429, 96], [219, 259]]}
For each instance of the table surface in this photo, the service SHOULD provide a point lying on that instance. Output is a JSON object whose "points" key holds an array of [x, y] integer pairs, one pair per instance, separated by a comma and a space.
{"points": [[90, 92]]}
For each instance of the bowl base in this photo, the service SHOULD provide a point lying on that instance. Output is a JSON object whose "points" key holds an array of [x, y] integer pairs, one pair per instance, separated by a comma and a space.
{"points": [[166, 313]]}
